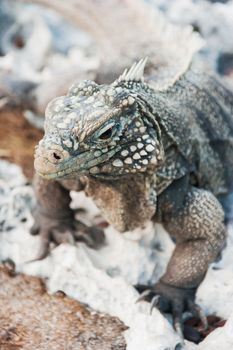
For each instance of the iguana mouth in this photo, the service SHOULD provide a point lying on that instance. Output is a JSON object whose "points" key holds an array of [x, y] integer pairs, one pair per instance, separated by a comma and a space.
{"points": [[56, 175], [74, 165]]}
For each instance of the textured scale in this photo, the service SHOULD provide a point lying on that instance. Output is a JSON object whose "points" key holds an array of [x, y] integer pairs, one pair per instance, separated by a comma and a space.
{"points": [[143, 154], [161, 134]]}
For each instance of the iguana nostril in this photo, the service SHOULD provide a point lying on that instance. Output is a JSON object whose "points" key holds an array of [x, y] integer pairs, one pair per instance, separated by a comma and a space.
{"points": [[56, 156]]}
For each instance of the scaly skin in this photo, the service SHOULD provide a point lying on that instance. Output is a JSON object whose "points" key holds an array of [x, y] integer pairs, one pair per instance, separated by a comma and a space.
{"points": [[143, 154]]}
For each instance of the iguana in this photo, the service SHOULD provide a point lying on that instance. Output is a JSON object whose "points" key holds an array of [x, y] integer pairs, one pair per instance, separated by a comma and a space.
{"points": [[157, 149], [142, 154]]}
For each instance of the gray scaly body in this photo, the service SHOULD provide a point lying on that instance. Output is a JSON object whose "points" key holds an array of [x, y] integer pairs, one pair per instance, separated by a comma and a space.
{"points": [[143, 154]]}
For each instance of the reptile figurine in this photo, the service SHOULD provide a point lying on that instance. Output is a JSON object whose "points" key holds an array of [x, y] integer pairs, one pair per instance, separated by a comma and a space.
{"points": [[143, 154]]}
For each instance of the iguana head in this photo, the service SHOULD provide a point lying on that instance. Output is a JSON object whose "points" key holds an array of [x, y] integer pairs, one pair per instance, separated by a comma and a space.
{"points": [[100, 130]]}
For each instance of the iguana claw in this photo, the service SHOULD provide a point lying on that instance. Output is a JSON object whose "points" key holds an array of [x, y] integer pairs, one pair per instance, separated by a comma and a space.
{"points": [[64, 230], [173, 300]]}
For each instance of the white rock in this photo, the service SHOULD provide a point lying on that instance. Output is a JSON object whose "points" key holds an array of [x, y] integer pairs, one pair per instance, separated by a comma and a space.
{"points": [[103, 278]]}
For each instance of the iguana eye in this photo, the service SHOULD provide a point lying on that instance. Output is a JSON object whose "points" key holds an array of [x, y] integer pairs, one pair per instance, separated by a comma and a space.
{"points": [[106, 134]]}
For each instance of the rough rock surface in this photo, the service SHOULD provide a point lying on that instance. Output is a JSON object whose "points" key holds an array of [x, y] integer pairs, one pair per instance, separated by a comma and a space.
{"points": [[30, 318]]}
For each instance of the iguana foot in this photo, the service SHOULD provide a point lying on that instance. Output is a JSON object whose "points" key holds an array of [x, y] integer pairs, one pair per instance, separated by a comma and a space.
{"points": [[64, 230], [174, 300]]}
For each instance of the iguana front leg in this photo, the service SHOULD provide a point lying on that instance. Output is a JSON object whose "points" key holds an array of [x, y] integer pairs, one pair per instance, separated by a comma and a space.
{"points": [[196, 222], [54, 219]]}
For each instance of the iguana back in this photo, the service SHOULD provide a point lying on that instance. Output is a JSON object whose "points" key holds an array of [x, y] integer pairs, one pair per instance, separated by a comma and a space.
{"points": [[196, 113]]}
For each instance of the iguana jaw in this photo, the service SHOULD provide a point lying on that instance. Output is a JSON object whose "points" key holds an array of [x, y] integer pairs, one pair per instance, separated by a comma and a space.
{"points": [[64, 165]]}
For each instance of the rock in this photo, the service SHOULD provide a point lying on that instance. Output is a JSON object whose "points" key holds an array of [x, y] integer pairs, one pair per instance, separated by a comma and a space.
{"points": [[18, 139], [30, 318]]}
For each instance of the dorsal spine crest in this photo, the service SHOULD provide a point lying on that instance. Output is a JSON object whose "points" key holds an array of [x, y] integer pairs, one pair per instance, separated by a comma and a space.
{"points": [[135, 73]]}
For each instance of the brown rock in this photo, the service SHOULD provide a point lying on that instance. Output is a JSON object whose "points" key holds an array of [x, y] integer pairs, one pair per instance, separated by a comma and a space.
{"points": [[31, 319], [18, 139], [194, 331]]}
